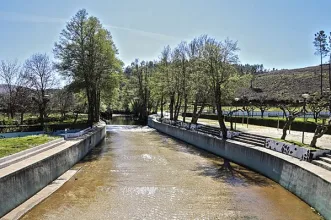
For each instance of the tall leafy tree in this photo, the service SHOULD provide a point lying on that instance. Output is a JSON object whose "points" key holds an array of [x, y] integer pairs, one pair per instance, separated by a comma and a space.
{"points": [[321, 49], [219, 58], [86, 53], [166, 68], [200, 84]]}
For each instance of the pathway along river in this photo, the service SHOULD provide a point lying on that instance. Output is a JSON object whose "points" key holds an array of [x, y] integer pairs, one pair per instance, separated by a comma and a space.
{"points": [[139, 173]]}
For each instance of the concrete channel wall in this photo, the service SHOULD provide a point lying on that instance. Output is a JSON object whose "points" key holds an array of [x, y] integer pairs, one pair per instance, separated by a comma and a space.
{"points": [[299, 177], [20, 185]]}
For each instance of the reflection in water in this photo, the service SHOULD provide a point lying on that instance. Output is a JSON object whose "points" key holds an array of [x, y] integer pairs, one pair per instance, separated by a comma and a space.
{"points": [[138, 173]]}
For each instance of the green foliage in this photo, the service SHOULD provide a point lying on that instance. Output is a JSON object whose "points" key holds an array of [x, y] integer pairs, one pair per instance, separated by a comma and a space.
{"points": [[320, 44], [87, 54]]}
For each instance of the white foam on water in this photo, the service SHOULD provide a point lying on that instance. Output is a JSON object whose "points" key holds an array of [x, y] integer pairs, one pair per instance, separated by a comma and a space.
{"points": [[128, 128]]}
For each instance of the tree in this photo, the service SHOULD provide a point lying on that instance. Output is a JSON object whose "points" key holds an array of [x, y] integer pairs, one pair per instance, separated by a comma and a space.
{"points": [[320, 130], [262, 104], [182, 50], [139, 81], [317, 104], [321, 45], [63, 102], [165, 66], [40, 77], [291, 112], [79, 104], [200, 85], [87, 54], [23, 101], [11, 75], [218, 58]]}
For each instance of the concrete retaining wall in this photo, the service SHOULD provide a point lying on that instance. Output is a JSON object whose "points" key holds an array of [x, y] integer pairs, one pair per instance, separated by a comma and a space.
{"points": [[294, 175], [18, 186]]}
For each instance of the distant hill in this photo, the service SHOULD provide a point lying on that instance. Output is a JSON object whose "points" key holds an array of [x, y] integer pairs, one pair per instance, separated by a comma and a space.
{"points": [[287, 84], [3, 89]]}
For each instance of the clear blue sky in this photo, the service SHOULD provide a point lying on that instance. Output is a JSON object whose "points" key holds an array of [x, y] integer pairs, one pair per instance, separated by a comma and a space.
{"points": [[275, 33]]}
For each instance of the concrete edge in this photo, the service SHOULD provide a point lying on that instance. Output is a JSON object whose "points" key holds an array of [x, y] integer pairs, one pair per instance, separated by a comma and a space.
{"points": [[20, 184], [43, 194], [316, 170], [319, 173], [79, 140]]}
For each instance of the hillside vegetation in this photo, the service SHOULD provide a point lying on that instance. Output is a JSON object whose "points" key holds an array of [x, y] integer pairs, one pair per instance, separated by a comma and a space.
{"points": [[287, 84]]}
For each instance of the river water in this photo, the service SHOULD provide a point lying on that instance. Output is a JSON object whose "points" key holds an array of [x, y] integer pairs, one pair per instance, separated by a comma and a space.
{"points": [[139, 173]]}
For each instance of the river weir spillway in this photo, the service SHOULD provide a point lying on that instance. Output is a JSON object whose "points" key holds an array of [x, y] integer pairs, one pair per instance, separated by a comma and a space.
{"points": [[139, 173]]}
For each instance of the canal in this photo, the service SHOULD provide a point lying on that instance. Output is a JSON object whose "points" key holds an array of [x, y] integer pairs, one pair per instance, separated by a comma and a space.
{"points": [[139, 173]]}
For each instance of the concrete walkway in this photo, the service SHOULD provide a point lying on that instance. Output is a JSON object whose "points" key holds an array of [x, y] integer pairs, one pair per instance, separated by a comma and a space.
{"points": [[324, 141]]}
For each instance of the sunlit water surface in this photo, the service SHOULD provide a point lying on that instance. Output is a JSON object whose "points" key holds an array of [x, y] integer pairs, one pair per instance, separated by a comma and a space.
{"points": [[138, 173]]}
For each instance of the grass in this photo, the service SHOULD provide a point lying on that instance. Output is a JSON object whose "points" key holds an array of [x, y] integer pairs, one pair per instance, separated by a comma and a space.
{"points": [[10, 146], [296, 143]]}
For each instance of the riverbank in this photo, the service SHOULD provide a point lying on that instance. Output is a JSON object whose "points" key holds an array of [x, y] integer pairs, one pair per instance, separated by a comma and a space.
{"points": [[323, 142], [23, 179], [139, 173], [309, 182], [10, 146]]}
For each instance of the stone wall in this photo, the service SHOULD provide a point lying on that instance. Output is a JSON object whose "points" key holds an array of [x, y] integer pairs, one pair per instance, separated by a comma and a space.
{"points": [[18, 186], [307, 181]]}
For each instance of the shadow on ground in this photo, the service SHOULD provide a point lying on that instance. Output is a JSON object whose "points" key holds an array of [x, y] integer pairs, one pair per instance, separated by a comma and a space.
{"points": [[238, 176], [235, 176]]}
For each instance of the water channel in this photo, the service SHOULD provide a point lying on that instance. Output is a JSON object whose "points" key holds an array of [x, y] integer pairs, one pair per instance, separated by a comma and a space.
{"points": [[139, 173]]}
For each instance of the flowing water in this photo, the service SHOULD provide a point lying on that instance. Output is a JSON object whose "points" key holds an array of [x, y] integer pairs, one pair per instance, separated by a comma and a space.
{"points": [[139, 173]]}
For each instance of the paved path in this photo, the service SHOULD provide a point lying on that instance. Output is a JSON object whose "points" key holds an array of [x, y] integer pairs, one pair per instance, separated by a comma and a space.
{"points": [[324, 141]]}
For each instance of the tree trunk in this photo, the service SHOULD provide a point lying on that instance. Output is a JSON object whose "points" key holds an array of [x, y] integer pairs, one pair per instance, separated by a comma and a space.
{"points": [[22, 117], [321, 74], [315, 116], [220, 115], [171, 106], [41, 117], [194, 119], [96, 117], [76, 117], [319, 132], [262, 113], [177, 107], [162, 106], [231, 123], [11, 112], [227, 166], [185, 108], [89, 107], [286, 127]]}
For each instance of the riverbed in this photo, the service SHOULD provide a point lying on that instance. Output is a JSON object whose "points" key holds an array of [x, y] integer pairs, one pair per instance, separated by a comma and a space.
{"points": [[139, 173]]}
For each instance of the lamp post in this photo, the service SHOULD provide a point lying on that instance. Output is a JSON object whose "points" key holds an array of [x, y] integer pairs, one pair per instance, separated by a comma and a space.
{"points": [[235, 121], [305, 96]]}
